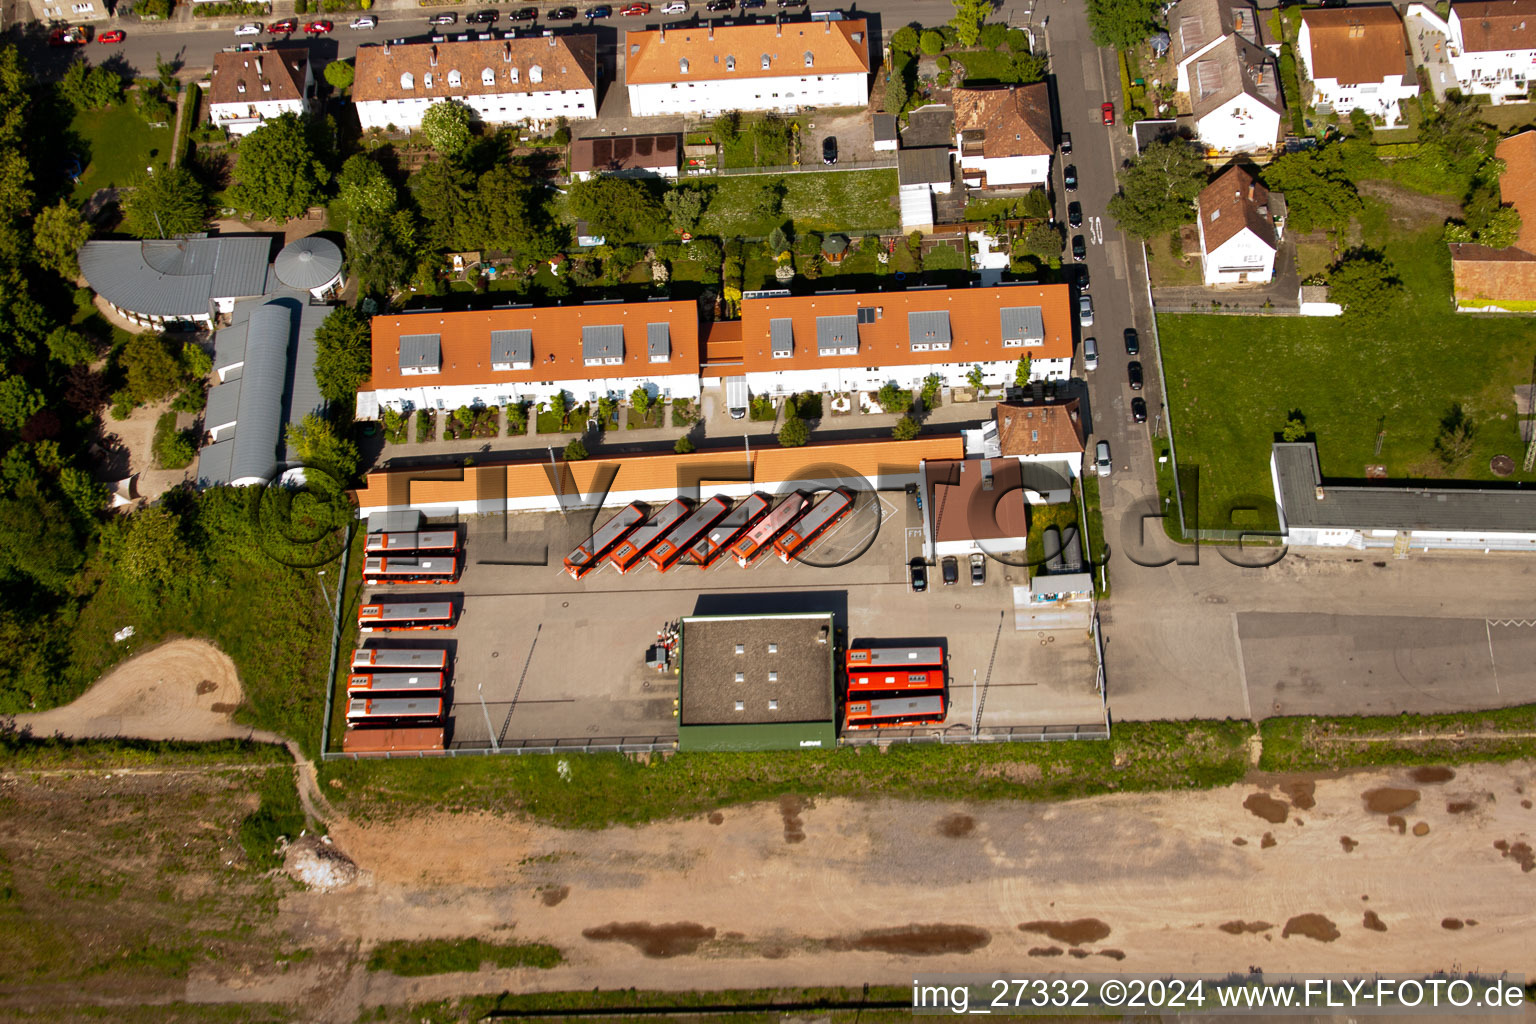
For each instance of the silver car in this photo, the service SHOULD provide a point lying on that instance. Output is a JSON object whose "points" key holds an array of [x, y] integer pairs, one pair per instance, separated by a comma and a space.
{"points": [[1085, 310], [1101, 459]]}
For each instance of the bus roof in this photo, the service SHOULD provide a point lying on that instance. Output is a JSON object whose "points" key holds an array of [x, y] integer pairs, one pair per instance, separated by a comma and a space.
{"points": [[387, 612], [396, 657], [610, 533], [422, 682], [891, 707], [893, 657]]}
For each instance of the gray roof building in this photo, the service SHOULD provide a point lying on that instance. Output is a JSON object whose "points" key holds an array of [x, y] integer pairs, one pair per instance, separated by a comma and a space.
{"points": [[923, 166], [309, 264], [837, 334], [177, 278]]}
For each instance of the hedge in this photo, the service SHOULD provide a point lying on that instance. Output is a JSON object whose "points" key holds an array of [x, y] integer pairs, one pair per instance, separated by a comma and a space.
{"points": [[189, 100]]}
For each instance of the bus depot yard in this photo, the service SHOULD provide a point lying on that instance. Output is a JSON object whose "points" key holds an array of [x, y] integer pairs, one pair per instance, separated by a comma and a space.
{"points": [[538, 659]]}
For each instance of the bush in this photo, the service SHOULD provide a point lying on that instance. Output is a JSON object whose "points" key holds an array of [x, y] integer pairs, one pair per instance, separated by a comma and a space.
{"points": [[517, 419], [222, 10], [794, 433], [394, 427], [1017, 39], [172, 448], [905, 429], [905, 41], [930, 42], [684, 445], [992, 35], [575, 451], [189, 102], [426, 425], [893, 399], [279, 814]]}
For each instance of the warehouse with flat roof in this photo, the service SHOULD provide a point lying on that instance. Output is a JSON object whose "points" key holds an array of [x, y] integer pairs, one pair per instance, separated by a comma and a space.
{"points": [[756, 682]]}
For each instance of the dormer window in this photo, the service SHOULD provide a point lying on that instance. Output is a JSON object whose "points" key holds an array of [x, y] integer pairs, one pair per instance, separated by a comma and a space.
{"points": [[535, 74], [408, 81], [682, 65], [487, 76], [240, 87], [426, 80], [420, 354], [765, 62], [730, 63], [512, 76], [455, 79], [810, 59]]}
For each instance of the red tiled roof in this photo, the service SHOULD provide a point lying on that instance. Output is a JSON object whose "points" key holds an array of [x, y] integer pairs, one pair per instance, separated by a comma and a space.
{"points": [[835, 48], [1357, 45], [1008, 120], [1040, 428], [564, 62], [267, 75], [1497, 25], [1517, 184], [1235, 200]]}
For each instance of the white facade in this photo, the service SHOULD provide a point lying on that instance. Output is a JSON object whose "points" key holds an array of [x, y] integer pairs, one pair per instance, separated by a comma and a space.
{"points": [[1245, 258], [867, 378], [242, 118], [492, 108], [784, 93], [1243, 124], [72, 11], [1009, 170], [453, 396], [1502, 75]]}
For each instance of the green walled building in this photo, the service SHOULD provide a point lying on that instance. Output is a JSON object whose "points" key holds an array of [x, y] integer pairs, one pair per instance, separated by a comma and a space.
{"points": [[756, 682]]}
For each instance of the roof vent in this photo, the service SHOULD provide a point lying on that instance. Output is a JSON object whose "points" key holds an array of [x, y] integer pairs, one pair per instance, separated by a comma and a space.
{"points": [[741, 705], [1318, 493], [821, 635], [535, 74]]}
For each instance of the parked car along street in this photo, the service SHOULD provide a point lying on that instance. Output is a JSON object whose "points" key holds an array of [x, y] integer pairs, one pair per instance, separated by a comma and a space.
{"points": [[918, 570], [1133, 373]]}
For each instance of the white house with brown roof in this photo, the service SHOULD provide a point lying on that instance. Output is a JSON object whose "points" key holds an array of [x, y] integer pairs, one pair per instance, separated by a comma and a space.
{"points": [[1358, 59], [627, 156], [709, 68], [1196, 26], [1239, 234], [1493, 47], [1048, 434], [1234, 90], [505, 81], [1004, 135], [248, 88]]}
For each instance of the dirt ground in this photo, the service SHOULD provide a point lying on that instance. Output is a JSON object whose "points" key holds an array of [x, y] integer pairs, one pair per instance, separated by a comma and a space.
{"points": [[137, 434], [181, 690], [1411, 211]]}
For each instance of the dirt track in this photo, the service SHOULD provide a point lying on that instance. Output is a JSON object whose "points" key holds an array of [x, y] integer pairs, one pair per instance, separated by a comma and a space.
{"points": [[1191, 881]]}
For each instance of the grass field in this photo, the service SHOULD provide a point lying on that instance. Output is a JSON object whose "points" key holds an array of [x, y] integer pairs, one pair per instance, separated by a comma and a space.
{"points": [[121, 145], [458, 956], [836, 201], [1233, 381]]}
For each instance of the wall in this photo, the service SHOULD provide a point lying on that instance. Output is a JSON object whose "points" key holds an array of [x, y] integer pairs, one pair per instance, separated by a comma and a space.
{"points": [[1224, 131], [778, 736], [1012, 170], [1243, 253], [787, 94], [493, 108], [678, 385]]}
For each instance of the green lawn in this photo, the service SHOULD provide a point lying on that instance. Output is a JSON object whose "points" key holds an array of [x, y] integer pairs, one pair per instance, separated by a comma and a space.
{"points": [[987, 67], [837, 201], [1232, 381], [120, 145]]}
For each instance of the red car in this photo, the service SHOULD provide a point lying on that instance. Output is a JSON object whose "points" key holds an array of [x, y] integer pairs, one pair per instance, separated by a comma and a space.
{"points": [[1107, 111], [633, 10], [283, 27], [317, 28], [117, 35]]}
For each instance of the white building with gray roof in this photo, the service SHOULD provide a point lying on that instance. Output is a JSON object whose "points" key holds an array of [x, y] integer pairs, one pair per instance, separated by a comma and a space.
{"points": [[191, 279]]}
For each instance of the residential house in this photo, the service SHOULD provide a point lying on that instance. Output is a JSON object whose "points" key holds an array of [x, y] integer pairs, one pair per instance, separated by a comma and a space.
{"points": [[505, 81], [629, 156], [1196, 26], [192, 279], [1234, 89], [1045, 435], [249, 87], [73, 12], [974, 506], [1239, 229], [1358, 59], [1004, 135], [1493, 47], [784, 66], [1488, 280]]}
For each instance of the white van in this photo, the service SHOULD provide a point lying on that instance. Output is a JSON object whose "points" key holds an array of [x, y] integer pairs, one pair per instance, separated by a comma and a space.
{"points": [[1090, 354]]}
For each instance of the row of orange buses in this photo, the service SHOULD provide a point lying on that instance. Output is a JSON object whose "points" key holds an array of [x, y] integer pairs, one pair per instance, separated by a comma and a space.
{"points": [[682, 534], [894, 687], [412, 558], [392, 686]]}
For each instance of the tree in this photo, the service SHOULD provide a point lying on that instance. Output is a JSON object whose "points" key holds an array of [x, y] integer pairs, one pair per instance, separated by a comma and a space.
{"points": [[154, 553], [575, 451], [640, 401], [684, 445], [562, 133], [905, 40], [892, 398], [381, 251], [339, 74], [507, 212], [446, 124], [1158, 189], [169, 202], [58, 232], [932, 384], [71, 347], [930, 42], [165, 72], [1458, 131], [1042, 240], [90, 88], [280, 173], [1121, 23], [172, 448], [343, 354], [153, 371], [1029, 68], [969, 14], [1502, 228], [1363, 282], [1318, 190], [442, 191], [728, 126], [38, 542], [18, 402], [975, 378], [1021, 371], [620, 209], [684, 208], [906, 429], [896, 90], [767, 202], [364, 188], [1295, 429], [794, 433], [83, 492], [1360, 124], [315, 443], [1456, 437]]}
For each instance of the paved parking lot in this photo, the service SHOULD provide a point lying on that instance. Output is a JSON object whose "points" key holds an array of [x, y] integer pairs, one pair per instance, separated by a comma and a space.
{"points": [[541, 657]]}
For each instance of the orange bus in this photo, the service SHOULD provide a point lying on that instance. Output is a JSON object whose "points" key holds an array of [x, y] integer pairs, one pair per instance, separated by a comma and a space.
{"points": [[750, 547], [893, 712], [437, 571], [389, 682], [404, 543], [399, 658], [708, 548], [666, 554], [590, 554], [628, 553], [894, 681], [365, 708], [829, 511], [864, 659], [393, 618]]}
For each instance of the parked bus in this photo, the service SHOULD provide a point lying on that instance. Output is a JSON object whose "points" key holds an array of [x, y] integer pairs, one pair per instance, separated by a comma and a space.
{"points": [[757, 540], [392, 618], [894, 681], [366, 708], [438, 570], [590, 554], [893, 712], [666, 554], [864, 659], [706, 551], [390, 682], [403, 543], [805, 531], [435, 659], [628, 553]]}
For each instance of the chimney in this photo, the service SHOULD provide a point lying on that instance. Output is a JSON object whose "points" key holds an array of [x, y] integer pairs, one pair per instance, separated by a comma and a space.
{"points": [[829, 28], [1250, 191], [434, 55], [663, 37]]}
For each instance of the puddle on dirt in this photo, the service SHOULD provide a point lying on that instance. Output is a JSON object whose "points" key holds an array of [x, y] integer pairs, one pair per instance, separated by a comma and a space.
{"points": [[1262, 805], [1421, 828], [1389, 799], [1113, 954], [1431, 773], [1074, 933], [1268, 841], [956, 826], [716, 818], [1080, 954], [1045, 951], [1348, 844], [223, 708], [206, 686], [1303, 793], [556, 896], [790, 807], [1526, 804], [1452, 924], [1374, 922], [1520, 853], [1460, 806], [657, 941], [1398, 822], [916, 940], [1471, 923], [1245, 927], [1239, 841], [1313, 926]]}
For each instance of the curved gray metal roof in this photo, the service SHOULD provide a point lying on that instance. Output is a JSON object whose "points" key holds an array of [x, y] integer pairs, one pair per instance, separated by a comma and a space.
{"points": [[175, 277], [308, 263], [259, 423]]}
